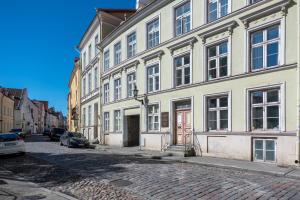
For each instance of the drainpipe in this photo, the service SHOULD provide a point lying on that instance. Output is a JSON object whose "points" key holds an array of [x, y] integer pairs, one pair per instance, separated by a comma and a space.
{"points": [[101, 132], [298, 91]]}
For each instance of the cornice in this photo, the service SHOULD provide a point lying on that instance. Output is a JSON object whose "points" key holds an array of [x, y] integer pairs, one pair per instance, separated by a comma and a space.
{"points": [[188, 42], [157, 54]]}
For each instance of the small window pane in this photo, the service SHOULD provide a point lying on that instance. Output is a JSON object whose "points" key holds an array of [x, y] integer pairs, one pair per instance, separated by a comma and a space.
{"points": [[259, 144], [272, 51], [212, 51], [223, 48], [257, 112], [273, 33], [272, 96], [257, 123], [224, 102], [270, 155], [212, 64], [212, 103], [257, 58], [257, 97], [270, 145], [257, 37]]}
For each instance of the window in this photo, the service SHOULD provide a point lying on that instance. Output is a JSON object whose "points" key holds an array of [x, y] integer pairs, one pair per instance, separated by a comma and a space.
{"points": [[264, 150], [117, 89], [106, 60], [106, 122], [218, 61], [117, 120], [90, 83], [90, 53], [153, 33], [106, 93], [183, 18], [89, 116], [254, 1], [96, 78], [153, 78], [217, 9], [96, 43], [182, 70], [265, 48], [118, 52], [84, 59], [131, 80], [84, 87], [84, 117], [217, 113], [265, 109], [131, 45], [153, 117]]}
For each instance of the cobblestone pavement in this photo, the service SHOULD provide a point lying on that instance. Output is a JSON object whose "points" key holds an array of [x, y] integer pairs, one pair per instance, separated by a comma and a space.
{"points": [[94, 175]]}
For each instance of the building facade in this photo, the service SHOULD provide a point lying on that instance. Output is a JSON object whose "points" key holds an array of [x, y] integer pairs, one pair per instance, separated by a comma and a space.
{"points": [[6, 112], [74, 98], [41, 116], [220, 75]]}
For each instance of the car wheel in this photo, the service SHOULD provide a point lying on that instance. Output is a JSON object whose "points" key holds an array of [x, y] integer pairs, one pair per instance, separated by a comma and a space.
{"points": [[22, 153], [61, 144]]}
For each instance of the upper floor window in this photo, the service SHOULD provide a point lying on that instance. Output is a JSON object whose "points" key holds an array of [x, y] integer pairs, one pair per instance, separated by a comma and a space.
{"points": [[106, 60], [117, 120], [218, 61], [117, 89], [90, 83], [96, 43], [153, 33], [84, 60], [84, 117], [254, 1], [89, 115], [106, 122], [183, 18], [106, 93], [217, 9], [153, 117], [131, 80], [131, 45], [96, 78], [90, 53], [265, 109], [118, 53], [153, 78], [182, 70], [265, 48], [217, 113], [83, 87]]}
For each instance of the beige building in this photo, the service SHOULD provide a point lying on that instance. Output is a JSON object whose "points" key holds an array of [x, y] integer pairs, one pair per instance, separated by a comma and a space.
{"points": [[222, 77], [6, 112], [74, 98]]}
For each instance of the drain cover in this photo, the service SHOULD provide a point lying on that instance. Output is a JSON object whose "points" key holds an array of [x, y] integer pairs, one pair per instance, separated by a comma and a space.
{"points": [[34, 197], [2, 182], [120, 183]]}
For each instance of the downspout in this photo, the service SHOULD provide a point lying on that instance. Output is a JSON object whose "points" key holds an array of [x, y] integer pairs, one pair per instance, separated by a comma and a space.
{"points": [[101, 131], [298, 88]]}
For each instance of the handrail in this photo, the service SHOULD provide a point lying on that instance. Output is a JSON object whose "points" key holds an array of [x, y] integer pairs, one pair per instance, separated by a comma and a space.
{"points": [[197, 145], [163, 142], [185, 141]]}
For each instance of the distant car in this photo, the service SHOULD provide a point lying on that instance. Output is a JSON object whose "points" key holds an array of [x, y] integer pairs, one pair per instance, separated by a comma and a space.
{"points": [[11, 143], [46, 132], [72, 139], [19, 132], [55, 133]]}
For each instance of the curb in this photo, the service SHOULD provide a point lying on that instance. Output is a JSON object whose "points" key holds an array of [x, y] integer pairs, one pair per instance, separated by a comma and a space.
{"points": [[59, 194]]}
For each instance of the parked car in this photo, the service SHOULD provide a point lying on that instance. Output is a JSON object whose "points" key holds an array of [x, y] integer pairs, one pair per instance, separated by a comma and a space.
{"points": [[55, 133], [19, 132], [11, 143], [46, 132], [72, 139]]}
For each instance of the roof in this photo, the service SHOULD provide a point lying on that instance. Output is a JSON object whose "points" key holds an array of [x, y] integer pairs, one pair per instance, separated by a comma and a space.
{"points": [[18, 95]]}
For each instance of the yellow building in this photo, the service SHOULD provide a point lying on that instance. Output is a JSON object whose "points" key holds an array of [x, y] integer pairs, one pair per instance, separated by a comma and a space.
{"points": [[74, 98], [6, 112]]}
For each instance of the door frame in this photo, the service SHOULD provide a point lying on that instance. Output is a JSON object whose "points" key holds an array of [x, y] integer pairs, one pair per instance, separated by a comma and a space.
{"points": [[184, 110], [172, 116]]}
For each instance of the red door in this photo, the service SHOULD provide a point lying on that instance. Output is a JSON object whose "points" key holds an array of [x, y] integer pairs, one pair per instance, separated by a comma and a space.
{"points": [[183, 126]]}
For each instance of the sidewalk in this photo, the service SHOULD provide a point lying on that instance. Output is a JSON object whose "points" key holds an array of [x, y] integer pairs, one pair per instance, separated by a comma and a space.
{"points": [[16, 188], [290, 172]]}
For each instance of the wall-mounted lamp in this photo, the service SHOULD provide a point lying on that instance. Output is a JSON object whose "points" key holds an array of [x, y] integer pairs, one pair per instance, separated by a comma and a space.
{"points": [[144, 99]]}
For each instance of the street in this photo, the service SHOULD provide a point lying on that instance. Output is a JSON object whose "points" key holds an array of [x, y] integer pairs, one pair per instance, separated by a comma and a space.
{"points": [[92, 174]]}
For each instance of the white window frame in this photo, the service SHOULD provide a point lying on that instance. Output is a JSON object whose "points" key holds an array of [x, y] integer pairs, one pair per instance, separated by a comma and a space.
{"points": [[217, 57], [131, 45], [89, 82], [90, 53], [153, 77], [96, 85], [106, 93], [250, 2], [83, 87], [264, 150], [106, 60], [117, 89], [89, 115], [218, 10], [182, 68], [153, 115], [96, 43], [117, 53], [159, 29], [205, 108], [218, 110], [282, 109], [84, 117], [183, 16], [131, 84], [84, 60], [282, 32], [117, 127], [106, 122]]}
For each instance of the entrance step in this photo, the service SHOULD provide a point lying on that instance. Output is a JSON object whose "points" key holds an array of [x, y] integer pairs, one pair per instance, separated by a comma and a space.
{"points": [[177, 150]]}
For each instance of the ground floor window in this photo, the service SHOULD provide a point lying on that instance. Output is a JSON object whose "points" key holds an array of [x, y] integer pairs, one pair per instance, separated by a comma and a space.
{"points": [[153, 117], [264, 150], [217, 113], [117, 120], [106, 122]]}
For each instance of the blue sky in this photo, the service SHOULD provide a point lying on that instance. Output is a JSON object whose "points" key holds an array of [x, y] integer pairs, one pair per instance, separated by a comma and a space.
{"points": [[37, 43]]}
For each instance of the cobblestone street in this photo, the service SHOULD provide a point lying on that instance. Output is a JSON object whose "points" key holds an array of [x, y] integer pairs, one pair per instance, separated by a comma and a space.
{"points": [[88, 174]]}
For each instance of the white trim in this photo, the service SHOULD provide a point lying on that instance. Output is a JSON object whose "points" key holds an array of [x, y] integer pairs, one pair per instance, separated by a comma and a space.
{"points": [[218, 10], [264, 149], [159, 25], [173, 71], [174, 7], [159, 116], [146, 75], [126, 49]]}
